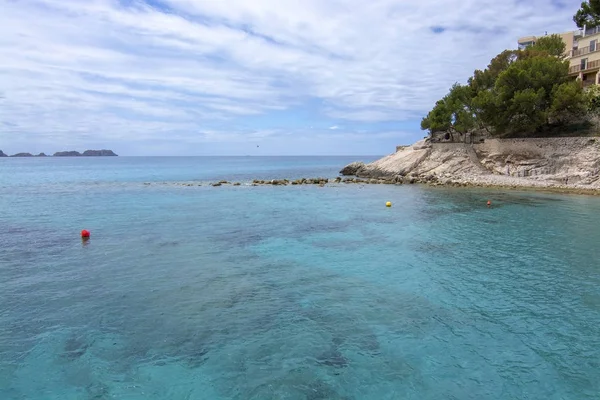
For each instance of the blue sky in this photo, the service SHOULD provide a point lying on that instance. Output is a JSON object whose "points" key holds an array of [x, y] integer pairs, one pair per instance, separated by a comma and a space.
{"points": [[241, 77]]}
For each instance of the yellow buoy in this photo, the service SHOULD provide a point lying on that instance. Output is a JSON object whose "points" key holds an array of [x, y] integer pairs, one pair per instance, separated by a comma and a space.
{"points": [[388, 204]]}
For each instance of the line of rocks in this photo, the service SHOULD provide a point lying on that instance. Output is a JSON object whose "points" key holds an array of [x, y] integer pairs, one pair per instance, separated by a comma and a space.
{"points": [[221, 183], [285, 182], [320, 181], [431, 180]]}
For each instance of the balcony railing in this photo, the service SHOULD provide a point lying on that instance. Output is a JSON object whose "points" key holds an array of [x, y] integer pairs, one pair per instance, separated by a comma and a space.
{"points": [[590, 65], [581, 51], [592, 31]]}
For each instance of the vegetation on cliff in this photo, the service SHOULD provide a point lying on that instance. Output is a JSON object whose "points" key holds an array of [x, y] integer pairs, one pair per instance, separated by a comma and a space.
{"points": [[520, 93]]}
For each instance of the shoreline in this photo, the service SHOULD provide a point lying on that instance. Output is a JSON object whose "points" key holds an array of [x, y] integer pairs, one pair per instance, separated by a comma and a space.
{"points": [[558, 165]]}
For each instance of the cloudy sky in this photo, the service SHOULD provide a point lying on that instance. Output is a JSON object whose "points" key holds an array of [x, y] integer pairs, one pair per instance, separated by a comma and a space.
{"points": [[221, 77]]}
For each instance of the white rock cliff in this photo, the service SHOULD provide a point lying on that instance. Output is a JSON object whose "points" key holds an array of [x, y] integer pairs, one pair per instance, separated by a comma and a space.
{"points": [[567, 162]]}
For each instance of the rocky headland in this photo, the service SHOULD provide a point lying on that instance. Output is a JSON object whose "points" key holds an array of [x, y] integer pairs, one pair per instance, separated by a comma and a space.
{"points": [[570, 163]]}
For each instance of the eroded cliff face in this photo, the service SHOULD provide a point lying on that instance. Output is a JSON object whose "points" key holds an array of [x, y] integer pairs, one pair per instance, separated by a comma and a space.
{"points": [[564, 162], [561, 160]]}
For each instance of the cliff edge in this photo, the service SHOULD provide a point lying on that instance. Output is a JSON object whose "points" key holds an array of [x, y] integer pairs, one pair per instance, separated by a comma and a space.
{"points": [[564, 162]]}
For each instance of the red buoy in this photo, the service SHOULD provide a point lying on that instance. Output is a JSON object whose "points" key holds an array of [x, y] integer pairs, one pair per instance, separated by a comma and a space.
{"points": [[85, 234], [489, 203]]}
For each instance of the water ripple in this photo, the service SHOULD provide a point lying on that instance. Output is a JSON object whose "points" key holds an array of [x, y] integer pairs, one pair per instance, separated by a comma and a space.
{"points": [[298, 294]]}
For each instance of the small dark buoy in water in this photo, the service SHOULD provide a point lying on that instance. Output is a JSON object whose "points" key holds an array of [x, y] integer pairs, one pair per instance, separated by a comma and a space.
{"points": [[85, 234]]}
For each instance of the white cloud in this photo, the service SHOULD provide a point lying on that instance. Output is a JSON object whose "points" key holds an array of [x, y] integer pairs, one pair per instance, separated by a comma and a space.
{"points": [[334, 127], [135, 73]]}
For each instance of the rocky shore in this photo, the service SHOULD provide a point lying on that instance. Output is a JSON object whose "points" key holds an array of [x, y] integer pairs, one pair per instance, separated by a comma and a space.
{"points": [[563, 165], [557, 164]]}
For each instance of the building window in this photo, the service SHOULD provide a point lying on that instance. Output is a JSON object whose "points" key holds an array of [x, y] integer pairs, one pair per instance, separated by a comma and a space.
{"points": [[525, 45], [593, 45], [583, 64]]}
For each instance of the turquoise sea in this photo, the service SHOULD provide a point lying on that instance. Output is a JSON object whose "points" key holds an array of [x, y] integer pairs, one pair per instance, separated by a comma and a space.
{"points": [[296, 292]]}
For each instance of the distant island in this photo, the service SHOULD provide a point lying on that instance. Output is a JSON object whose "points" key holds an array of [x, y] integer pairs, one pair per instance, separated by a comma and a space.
{"points": [[87, 153], [27, 155]]}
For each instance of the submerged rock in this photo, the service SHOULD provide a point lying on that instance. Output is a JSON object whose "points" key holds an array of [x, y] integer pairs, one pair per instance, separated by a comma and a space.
{"points": [[333, 358], [197, 358], [75, 347]]}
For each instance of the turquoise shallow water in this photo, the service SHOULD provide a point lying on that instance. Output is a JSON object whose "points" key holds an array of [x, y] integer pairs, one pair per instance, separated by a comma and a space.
{"points": [[289, 292]]}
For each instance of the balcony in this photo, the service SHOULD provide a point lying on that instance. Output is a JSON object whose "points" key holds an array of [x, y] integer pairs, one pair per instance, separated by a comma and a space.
{"points": [[581, 51], [592, 31], [575, 69]]}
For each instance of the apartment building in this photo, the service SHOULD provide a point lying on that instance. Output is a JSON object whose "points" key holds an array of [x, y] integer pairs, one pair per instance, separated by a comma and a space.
{"points": [[582, 52]]}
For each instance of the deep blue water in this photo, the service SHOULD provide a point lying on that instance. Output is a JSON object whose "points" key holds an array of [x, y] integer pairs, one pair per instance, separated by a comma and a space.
{"points": [[297, 292]]}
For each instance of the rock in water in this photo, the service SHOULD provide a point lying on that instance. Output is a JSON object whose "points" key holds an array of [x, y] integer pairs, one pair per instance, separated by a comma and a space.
{"points": [[353, 168]]}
